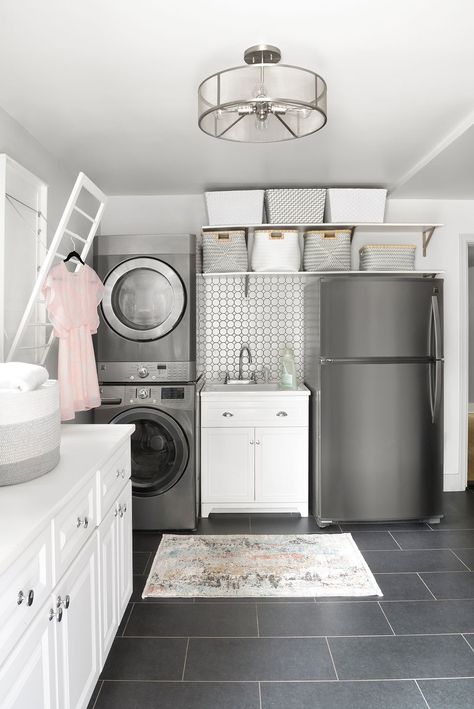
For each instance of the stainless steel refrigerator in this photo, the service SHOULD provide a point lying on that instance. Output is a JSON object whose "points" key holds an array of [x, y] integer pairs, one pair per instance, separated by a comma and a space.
{"points": [[374, 363]]}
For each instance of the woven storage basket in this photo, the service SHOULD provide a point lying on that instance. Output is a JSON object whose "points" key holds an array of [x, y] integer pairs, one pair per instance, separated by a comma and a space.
{"points": [[234, 207], [387, 257], [224, 251], [295, 206], [355, 205], [275, 250], [30, 429], [327, 250]]}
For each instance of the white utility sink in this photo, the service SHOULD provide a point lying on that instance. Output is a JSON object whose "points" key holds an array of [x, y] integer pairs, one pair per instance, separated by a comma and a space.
{"points": [[248, 390]]}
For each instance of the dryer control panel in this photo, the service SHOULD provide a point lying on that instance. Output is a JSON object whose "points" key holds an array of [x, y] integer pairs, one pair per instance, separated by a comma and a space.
{"points": [[146, 371]]}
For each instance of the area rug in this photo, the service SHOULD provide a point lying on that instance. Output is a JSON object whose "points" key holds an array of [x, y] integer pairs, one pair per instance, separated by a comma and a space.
{"points": [[255, 565]]}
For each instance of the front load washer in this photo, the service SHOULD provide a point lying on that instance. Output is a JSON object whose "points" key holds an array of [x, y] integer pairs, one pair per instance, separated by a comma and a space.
{"points": [[148, 323], [163, 450]]}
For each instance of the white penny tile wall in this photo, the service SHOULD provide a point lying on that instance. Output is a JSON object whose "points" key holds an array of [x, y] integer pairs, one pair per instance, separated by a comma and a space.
{"points": [[269, 317]]}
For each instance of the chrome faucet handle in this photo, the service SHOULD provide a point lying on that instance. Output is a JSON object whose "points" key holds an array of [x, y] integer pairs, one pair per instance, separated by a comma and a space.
{"points": [[227, 377]]}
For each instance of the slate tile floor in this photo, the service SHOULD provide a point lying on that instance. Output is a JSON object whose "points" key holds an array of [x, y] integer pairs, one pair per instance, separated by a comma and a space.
{"points": [[413, 649]]}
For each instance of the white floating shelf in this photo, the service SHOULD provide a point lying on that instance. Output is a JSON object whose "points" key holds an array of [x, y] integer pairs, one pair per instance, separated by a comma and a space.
{"points": [[320, 273]]}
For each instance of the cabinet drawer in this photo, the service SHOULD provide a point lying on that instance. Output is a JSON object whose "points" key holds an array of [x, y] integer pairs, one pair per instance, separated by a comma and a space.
{"points": [[112, 478], [24, 587], [277, 412], [72, 527]]}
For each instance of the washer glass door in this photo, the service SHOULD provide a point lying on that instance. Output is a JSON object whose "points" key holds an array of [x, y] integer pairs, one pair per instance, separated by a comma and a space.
{"points": [[160, 450], [144, 299]]}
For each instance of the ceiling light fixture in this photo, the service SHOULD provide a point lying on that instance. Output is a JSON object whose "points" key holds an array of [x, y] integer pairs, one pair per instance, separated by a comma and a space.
{"points": [[262, 102]]}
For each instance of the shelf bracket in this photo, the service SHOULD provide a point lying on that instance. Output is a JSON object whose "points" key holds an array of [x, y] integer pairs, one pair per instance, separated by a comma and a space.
{"points": [[246, 286], [427, 234]]}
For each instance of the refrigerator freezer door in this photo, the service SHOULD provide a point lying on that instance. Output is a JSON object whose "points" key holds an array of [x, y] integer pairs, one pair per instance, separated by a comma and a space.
{"points": [[374, 317], [381, 455]]}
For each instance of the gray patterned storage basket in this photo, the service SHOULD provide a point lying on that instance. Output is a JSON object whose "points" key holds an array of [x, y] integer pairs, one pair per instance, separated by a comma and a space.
{"points": [[295, 206], [387, 257], [224, 251], [30, 430], [327, 250]]}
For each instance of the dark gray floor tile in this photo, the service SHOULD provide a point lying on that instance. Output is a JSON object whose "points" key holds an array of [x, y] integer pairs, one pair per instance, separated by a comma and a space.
{"points": [[454, 584], [402, 587], [455, 539], [466, 556], [145, 659], [382, 526], [124, 620], [259, 659], [401, 561], [341, 695], [374, 540], [95, 694], [296, 619], [286, 524], [224, 524], [458, 509], [448, 693], [179, 695], [146, 541], [407, 617], [454, 521], [398, 657], [140, 561], [470, 640], [193, 619]]}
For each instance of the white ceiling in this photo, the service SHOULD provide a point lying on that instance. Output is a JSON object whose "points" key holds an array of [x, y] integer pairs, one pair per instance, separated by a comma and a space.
{"points": [[110, 87]]}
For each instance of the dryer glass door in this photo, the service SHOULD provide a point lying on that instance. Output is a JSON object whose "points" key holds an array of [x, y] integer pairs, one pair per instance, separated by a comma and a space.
{"points": [[160, 450], [144, 299]]}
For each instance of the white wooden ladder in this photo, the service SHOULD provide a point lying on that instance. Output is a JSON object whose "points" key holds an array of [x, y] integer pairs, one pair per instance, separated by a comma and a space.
{"points": [[35, 335]]}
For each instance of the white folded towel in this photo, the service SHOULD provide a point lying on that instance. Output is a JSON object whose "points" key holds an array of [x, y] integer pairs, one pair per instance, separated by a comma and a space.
{"points": [[22, 376]]}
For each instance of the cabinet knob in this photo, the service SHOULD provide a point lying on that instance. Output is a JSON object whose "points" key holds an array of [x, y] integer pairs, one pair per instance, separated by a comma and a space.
{"points": [[82, 522], [251, 443], [282, 413], [58, 614], [31, 597], [115, 512], [227, 414], [257, 443], [21, 598], [60, 603]]}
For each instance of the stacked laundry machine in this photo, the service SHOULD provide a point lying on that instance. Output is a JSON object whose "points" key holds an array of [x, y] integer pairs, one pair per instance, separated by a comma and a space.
{"points": [[146, 361]]}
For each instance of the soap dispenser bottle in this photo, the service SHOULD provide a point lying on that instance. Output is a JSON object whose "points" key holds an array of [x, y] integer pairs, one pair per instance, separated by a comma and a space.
{"points": [[287, 369]]}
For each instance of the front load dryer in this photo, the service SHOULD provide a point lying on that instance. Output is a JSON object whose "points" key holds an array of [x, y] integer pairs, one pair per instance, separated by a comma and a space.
{"points": [[162, 450], [148, 330]]}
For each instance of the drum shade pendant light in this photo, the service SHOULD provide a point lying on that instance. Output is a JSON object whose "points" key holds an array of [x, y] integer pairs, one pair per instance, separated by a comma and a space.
{"points": [[262, 102]]}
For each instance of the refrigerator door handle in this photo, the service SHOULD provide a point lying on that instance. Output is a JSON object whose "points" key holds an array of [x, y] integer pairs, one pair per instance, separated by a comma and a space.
{"points": [[432, 393], [437, 389], [436, 321]]}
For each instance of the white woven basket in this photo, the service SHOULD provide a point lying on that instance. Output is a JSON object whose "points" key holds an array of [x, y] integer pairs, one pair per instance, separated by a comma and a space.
{"points": [[387, 257], [327, 250], [235, 207], [30, 430], [224, 251], [355, 205], [275, 250]]}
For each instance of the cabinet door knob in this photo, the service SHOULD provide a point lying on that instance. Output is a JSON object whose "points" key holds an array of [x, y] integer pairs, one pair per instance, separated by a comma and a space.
{"points": [[86, 522], [21, 598], [31, 597], [257, 443], [58, 614], [251, 443], [227, 414], [282, 413], [115, 512], [79, 522]]}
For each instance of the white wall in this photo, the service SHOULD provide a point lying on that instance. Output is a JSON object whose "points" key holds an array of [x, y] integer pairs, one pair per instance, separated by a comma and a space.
{"points": [[471, 331], [186, 213]]}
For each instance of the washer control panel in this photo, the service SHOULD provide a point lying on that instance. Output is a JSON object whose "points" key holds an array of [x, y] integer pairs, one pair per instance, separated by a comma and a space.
{"points": [[165, 397]]}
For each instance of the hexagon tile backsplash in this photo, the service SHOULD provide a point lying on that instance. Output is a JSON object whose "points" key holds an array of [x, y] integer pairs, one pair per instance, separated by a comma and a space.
{"points": [[269, 317]]}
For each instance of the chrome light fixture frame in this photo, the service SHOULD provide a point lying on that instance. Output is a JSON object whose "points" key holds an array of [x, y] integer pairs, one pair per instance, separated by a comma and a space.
{"points": [[221, 115]]}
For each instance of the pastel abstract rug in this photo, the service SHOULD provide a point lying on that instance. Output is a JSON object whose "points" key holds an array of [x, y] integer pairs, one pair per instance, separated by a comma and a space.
{"points": [[246, 565]]}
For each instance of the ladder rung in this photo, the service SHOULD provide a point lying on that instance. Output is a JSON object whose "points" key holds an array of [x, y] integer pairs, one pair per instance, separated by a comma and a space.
{"points": [[74, 235], [39, 324], [58, 255], [84, 214], [33, 347]]}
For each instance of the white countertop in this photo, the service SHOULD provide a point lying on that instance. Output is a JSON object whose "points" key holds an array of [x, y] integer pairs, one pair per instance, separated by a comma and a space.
{"points": [[217, 390], [25, 509]]}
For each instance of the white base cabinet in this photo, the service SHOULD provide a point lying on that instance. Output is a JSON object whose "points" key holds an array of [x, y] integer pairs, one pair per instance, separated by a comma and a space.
{"points": [[262, 466], [81, 556]]}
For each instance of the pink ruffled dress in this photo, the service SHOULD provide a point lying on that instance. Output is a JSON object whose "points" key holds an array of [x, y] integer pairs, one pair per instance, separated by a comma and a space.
{"points": [[72, 299]]}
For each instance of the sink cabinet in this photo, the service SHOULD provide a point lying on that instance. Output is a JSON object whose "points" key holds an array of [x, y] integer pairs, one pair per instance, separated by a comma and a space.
{"points": [[254, 452]]}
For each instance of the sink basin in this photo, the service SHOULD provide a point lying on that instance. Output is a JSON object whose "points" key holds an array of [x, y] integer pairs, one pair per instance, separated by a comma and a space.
{"points": [[240, 382]]}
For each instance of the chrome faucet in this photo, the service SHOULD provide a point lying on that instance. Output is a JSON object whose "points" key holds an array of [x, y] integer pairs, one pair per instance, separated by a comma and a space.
{"points": [[243, 349]]}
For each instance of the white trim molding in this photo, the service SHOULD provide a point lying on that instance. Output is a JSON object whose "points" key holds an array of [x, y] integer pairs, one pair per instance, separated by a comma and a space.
{"points": [[465, 240]]}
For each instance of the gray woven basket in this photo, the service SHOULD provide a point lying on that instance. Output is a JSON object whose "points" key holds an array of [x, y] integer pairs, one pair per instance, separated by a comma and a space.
{"points": [[224, 251], [327, 250], [295, 206], [387, 257]]}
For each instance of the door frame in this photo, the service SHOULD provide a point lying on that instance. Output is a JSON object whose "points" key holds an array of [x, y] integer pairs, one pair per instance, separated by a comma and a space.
{"points": [[465, 240]]}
